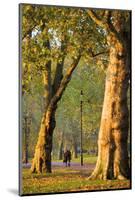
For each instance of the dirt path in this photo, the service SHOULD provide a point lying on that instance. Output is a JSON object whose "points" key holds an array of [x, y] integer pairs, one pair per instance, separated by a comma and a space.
{"points": [[74, 166]]}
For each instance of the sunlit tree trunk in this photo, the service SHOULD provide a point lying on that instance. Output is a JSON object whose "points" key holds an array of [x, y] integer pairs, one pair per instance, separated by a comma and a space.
{"points": [[42, 156], [113, 159], [39, 157], [112, 142]]}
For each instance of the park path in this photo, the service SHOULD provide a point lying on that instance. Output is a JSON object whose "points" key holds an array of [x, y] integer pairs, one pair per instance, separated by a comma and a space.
{"points": [[74, 165]]}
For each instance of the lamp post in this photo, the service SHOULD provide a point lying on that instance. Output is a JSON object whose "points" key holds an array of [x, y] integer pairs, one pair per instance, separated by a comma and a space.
{"points": [[27, 122], [25, 156], [81, 144]]}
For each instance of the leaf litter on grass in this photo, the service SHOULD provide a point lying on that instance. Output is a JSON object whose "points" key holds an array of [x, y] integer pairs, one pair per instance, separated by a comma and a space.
{"points": [[66, 180]]}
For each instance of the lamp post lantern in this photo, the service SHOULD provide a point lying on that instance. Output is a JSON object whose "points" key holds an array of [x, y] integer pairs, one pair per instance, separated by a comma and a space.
{"points": [[81, 138]]}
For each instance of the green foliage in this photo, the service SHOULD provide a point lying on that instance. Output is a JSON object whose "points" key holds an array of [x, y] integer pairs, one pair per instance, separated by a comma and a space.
{"points": [[90, 79], [51, 34]]}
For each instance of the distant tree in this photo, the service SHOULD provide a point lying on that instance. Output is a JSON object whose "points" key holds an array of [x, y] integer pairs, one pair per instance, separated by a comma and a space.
{"points": [[68, 112]]}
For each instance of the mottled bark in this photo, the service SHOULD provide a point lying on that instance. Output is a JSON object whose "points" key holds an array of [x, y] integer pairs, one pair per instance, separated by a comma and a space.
{"points": [[47, 85], [113, 162], [42, 156], [112, 143]]}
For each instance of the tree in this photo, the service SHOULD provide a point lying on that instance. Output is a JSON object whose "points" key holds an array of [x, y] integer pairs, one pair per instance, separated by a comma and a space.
{"points": [[53, 41], [44, 144], [45, 39], [26, 139], [112, 159]]}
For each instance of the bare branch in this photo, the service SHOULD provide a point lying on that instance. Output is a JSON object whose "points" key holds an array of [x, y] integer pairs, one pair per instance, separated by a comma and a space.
{"points": [[97, 54], [100, 53]]}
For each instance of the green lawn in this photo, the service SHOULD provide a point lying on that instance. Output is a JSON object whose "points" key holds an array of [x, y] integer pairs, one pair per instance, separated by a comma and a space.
{"points": [[86, 159]]}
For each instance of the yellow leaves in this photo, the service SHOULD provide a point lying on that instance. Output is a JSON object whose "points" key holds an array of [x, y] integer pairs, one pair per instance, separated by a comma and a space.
{"points": [[29, 66], [28, 8], [66, 179], [34, 50]]}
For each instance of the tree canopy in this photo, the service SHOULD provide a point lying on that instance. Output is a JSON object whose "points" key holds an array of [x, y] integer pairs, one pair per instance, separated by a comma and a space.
{"points": [[57, 35], [66, 51]]}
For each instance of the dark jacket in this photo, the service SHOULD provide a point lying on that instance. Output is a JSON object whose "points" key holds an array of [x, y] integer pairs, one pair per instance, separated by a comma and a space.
{"points": [[67, 156]]}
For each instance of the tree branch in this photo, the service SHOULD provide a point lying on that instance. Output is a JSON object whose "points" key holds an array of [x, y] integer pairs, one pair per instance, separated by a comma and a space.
{"points": [[63, 84], [97, 54], [97, 20], [58, 75], [105, 24], [67, 77], [47, 78], [59, 70], [47, 84]]}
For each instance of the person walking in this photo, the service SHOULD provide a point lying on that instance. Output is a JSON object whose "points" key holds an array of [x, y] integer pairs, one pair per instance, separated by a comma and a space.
{"points": [[67, 158]]}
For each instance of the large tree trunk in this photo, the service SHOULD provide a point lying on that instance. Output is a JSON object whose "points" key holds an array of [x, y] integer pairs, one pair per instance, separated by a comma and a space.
{"points": [[42, 156], [112, 159]]}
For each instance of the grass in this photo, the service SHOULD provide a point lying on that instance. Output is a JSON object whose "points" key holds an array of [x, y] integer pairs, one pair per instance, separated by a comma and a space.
{"points": [[64, 179], [86, 158]]}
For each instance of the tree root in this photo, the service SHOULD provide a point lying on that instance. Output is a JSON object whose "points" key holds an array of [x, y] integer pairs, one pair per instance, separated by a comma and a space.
{"points": [[95, 176]]}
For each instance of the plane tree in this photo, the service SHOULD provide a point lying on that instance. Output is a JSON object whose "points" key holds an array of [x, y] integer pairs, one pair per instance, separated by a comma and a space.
{"points": [[54, 40], [113, 159]]}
